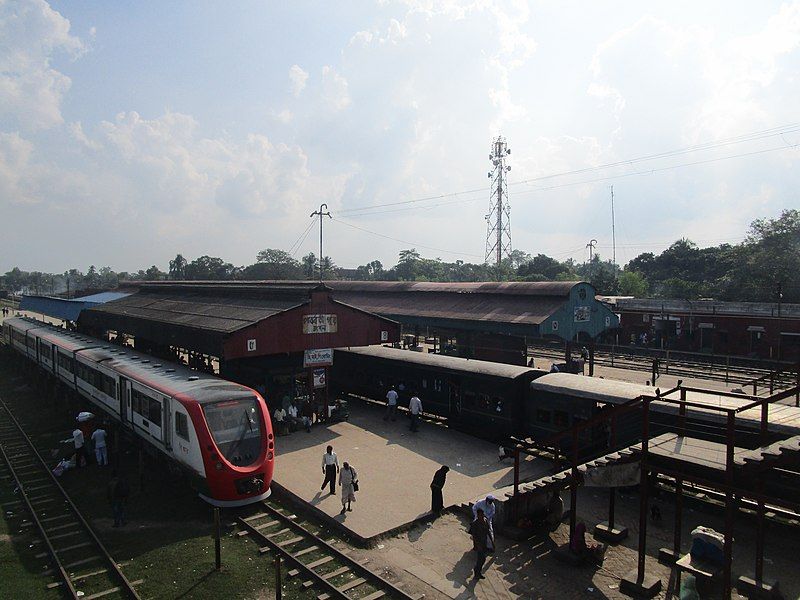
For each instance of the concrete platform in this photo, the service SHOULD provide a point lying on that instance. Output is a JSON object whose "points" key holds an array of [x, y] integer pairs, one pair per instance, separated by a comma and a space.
{"points": [[395, 468]]}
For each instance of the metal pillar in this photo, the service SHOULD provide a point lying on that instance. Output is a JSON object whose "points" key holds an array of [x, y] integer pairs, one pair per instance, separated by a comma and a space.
{"points": [[278, 591], [676, 545], [217, 543], [643, 492], [573, 487], [729, 505]]}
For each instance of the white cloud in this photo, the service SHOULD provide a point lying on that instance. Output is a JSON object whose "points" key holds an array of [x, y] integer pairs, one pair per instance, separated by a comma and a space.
{"points": [[298, 78], [334, 89], [31, 90]]}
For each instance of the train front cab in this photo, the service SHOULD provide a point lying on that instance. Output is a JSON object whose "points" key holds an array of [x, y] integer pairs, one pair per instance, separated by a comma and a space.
{"points": [[238, 447]]}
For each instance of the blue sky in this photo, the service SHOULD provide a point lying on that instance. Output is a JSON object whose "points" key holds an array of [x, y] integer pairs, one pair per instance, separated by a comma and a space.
{"points": [[130, 132]]}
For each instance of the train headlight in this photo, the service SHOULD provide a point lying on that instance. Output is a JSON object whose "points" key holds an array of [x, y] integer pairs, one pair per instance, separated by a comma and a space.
{"points": [[218, 466]]}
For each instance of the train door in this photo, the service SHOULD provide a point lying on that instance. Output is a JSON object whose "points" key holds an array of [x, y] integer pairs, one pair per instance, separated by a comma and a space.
{"points": [[166, 430], [455, 399], [125, 402]]}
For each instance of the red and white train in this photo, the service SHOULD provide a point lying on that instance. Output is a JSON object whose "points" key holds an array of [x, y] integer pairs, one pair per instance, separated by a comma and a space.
{"points": [[217, 431]]}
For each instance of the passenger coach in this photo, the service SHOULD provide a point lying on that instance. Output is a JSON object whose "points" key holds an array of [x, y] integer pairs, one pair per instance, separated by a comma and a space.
{"points": [[216, 431], [485, 398]]}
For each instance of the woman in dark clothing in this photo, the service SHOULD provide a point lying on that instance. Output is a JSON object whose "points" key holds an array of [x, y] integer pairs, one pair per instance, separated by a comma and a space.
{"points": [[437, 502]]}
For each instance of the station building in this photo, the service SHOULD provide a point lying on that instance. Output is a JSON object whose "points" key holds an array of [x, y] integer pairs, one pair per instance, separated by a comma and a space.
{"points": [[757, 329], [272, 335], [486, 320]]}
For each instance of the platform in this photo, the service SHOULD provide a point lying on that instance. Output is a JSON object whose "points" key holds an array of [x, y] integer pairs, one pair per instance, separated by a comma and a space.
{"points": [[395, 468]]}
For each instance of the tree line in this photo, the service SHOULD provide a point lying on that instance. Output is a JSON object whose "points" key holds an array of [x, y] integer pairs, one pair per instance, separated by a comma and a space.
{"points": [[765, 267]]}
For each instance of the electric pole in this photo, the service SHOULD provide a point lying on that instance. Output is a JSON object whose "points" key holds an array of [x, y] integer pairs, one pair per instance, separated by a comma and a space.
{"points": [[498, 220], [613, 234], [322, 212]]}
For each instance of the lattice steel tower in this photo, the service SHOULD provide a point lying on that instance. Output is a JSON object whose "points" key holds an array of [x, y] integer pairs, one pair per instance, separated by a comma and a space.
{"points": [[498, 221]]}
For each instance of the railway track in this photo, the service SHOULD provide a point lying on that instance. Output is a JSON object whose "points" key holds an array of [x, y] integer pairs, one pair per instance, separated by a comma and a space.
{"points": [[82, 565], [320, 564]]}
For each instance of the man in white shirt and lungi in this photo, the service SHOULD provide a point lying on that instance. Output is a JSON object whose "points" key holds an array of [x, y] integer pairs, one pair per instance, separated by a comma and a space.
{"points": [[330, 466]]}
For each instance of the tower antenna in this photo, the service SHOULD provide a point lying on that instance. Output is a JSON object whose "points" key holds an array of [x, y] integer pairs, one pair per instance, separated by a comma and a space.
{"points": [[498, 220]]}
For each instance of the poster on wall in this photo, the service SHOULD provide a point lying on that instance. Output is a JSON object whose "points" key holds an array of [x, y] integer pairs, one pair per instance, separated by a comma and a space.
{"points": [[318, 358], [582, 314], [319, 378], [320, 324]]}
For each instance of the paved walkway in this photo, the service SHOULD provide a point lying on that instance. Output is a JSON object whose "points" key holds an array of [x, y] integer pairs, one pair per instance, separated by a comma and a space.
{"points": [[394, 466]]}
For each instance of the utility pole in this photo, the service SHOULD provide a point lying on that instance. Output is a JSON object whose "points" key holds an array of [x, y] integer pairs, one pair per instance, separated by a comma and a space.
{"points": [[498, 220], [322, 212], [613, 234]]}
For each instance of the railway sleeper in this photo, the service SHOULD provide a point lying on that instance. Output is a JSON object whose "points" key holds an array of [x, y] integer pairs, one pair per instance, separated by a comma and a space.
{"points": [[340, 571]]}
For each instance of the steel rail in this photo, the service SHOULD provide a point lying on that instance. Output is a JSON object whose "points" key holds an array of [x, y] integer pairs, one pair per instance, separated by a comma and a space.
{"points": [[127, 586], [376, 580], [50, 549]]}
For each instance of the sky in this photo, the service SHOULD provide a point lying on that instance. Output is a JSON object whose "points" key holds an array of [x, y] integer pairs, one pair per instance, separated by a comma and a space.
{"points": [[134, 131]]}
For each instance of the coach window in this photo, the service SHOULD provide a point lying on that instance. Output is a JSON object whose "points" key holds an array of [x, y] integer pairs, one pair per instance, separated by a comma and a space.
{"points": [[469, 400], [154, 414], [483, 401], [182, 426], [543, 416], [437, 385], [424, 384], [497, 402], [560, 418]]}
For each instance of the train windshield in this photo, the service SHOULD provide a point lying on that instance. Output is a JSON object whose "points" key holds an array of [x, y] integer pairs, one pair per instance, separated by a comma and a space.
{"points": [[236, 428]]}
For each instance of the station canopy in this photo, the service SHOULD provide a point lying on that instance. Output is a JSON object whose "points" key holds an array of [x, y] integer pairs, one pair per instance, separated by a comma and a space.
{"points": [[66, 309]]}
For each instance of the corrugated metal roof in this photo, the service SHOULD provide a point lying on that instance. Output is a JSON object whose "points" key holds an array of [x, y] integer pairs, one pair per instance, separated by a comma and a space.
{"points": [[67, 309], [219, 313], [509, 288], [440, 361], [709, 307]]}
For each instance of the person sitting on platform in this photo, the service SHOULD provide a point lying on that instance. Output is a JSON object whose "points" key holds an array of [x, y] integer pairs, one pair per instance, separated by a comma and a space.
{"points": [[579, 547]]}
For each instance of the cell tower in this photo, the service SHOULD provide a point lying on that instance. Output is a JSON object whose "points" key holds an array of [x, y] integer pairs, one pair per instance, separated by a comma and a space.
{"points": [[498, 221]]}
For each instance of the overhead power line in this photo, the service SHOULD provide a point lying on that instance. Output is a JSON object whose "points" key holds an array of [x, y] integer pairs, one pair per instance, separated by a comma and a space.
{"points": [[754, 136]]}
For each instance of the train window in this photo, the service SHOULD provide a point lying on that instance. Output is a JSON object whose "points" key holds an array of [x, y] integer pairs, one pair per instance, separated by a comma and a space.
{"points": [[424, 384], [437, 385], [560, 418], [182, 425], [136, 402], [497, 403], [542, 416], [154, 412], [483, 401], [469, 400]]}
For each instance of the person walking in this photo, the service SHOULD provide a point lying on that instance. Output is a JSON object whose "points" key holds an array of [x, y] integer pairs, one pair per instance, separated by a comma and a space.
{"points": [[437, 501], [330, 466], [348, 480], [415, 408], [480, 534], [488, 508], [100, 446], [118, 491], [80, 451], [391, 405]]}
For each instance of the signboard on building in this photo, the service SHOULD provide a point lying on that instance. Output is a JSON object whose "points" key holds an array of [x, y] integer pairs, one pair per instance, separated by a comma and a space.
{"points": [[318, 358], [319, 378], [320, 323], [384, 336], [582, 314], [251, 345]]}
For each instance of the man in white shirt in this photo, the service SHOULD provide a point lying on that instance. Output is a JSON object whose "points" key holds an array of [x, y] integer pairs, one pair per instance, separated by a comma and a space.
{"points": [[487, 505], [294, 420], [280, 421], [391, 405], [100, 450], [80, 450], [415, 408], [330, 466]]}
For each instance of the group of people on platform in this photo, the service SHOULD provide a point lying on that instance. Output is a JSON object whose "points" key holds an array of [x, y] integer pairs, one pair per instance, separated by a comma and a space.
{"points": [[414, 408], [301, 413]]}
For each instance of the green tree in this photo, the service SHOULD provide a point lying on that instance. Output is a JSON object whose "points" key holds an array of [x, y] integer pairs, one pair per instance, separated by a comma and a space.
{"points": [[177, 267], [310, 266], [208, 268], [632, 283]]}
